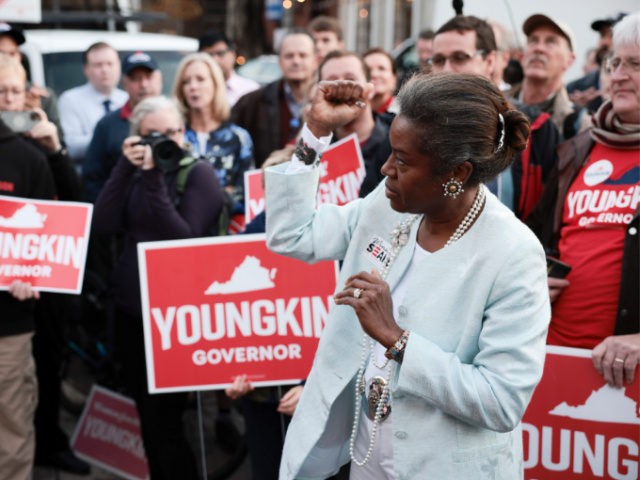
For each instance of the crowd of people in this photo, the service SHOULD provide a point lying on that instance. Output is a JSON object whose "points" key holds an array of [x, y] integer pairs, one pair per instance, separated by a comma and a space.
{"points": [[482, 167]]}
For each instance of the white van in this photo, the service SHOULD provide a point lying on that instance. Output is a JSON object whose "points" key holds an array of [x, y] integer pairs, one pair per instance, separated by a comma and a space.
{"points": [[55, 56]]}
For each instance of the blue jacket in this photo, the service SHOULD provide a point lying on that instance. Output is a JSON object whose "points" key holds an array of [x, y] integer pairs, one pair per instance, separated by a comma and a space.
{"points": [[103, 152]]}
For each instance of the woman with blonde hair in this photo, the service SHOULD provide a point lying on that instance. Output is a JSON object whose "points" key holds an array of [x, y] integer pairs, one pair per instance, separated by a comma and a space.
{"points": [[201, 93]]}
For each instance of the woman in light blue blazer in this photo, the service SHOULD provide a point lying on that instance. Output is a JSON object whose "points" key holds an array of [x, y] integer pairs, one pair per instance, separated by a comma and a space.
{"points": [[437, 339]]}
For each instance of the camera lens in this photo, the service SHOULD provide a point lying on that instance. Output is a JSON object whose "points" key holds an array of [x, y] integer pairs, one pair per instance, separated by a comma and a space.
{"points": [[167, 155]]}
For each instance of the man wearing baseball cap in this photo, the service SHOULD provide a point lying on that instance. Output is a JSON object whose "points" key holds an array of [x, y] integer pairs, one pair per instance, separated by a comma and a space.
{"points": [[585, 91], [604, 26], [141, 79], [548, 55], [7, 31]]}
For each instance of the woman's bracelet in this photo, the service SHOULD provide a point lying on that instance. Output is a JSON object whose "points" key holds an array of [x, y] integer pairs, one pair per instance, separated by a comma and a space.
{"points": [[395, 351]]}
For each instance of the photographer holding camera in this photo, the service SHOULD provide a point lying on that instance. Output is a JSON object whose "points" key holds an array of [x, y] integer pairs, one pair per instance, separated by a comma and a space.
{"points": [[144, 200]]}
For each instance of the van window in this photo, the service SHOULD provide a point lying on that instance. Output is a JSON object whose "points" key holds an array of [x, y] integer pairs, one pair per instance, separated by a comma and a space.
{"points": [[63, 70]]}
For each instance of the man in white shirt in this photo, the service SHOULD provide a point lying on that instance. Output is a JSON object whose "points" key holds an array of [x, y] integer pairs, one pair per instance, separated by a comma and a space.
{"points": [[222, 50], [81, 107]]}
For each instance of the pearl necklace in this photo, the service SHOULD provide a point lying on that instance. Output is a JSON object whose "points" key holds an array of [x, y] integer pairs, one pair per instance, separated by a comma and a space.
{"points": [[469, 218], [399, 238]]}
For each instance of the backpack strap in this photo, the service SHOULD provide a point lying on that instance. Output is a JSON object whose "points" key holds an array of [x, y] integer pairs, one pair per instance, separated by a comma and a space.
{"points": [[186, 164]]}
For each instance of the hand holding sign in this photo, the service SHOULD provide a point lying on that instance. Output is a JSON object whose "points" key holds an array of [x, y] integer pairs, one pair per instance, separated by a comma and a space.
{"points": [[43, 245], [23, 291], [616, 358], [289, 400], [239, 388]]}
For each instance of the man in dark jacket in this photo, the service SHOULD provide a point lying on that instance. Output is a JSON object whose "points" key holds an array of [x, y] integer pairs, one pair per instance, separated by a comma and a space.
{"points": [[23, 173], [52, 310], [371, 130], [272, 114], [140, 79]]}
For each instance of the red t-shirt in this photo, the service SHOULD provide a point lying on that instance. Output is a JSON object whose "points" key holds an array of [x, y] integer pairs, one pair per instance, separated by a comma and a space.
{"points": [[599, 205]]}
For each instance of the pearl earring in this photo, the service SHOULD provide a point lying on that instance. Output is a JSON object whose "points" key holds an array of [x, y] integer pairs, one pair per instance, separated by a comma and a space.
{"points": [[452, 188]]}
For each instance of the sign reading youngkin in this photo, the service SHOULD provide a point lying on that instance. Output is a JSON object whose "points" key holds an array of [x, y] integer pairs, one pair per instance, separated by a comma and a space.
{"points": [[43, 242], [578, 427], [108, 434], [341, 174], [215, 308]]}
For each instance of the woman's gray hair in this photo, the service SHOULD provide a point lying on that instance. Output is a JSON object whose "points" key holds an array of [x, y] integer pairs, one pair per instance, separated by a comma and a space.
{"points": [[627, 31], [151, 105]]}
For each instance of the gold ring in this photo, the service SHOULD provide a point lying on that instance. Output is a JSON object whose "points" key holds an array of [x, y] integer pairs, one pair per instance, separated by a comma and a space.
{"points": [[357, 293], [618, 360]]}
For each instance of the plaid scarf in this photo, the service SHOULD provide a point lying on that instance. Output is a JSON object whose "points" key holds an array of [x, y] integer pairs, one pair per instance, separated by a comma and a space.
{"points": [[608, 130]]}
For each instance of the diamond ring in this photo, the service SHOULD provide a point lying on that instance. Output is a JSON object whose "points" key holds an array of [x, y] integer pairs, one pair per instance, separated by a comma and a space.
{"points": [[616, 360], [357, 293]]}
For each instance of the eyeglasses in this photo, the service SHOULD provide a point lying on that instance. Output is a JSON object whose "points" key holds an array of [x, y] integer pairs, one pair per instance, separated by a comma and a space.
{"points": [[457, 59], [168, 133], [219, 53], [629, 64]]}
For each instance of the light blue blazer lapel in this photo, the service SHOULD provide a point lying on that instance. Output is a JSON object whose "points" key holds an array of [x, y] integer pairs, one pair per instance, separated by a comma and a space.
{"points": [[403, 258]]}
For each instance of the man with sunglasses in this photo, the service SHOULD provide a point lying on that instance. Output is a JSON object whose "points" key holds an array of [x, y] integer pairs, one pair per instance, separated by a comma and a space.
{"points": [[466, 44]]}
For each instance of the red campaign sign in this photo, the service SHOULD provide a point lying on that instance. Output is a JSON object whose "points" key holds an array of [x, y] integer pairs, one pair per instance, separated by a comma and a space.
{"points": [[578, 427], [43, 242], [215, 308], [108, 435], [253, 195], [341, 174]]}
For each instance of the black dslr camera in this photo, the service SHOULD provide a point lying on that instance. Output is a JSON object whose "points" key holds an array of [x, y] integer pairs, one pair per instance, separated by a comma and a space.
{"points": [[166, 153]]}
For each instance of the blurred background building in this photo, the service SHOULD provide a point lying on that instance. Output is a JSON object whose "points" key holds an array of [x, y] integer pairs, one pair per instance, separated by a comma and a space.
{"points": [[255, 24], [263, 18]]}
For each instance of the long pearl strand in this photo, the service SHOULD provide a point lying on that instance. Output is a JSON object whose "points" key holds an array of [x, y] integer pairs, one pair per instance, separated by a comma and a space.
{"points": [[399, 238]]}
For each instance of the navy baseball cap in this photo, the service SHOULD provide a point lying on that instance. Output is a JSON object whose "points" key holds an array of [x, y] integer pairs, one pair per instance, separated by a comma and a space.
{"points": [[610, 21], [9, 31], [138, 60]]}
